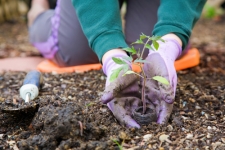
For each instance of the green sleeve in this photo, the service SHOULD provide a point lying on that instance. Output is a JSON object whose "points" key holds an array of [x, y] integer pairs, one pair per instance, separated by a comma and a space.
{"points": [[101, 23], [178, 17]]}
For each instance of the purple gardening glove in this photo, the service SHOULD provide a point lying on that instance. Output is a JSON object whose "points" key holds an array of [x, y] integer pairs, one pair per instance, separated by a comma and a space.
{"points": [[121, 95], [162, 64]]}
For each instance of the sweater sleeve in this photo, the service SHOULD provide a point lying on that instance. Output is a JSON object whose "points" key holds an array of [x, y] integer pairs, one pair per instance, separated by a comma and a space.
{"points": [[178, 17], [101, 23]]}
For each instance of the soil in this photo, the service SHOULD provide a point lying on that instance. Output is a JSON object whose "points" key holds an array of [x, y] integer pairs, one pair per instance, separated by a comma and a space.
{"points": [[70, 115], [144, 118]]}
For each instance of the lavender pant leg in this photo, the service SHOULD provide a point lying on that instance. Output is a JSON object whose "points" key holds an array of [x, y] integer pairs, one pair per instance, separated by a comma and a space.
{"points": [[59, 36]]}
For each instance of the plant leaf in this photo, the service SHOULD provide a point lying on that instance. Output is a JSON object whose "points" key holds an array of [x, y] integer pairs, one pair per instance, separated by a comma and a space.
{"points": [[128, 72], [132, 50], [149, 47], [161, 80], [117, 143], [141, 61], [155, 38], [118, 61], [138, 42], [125, 68], [143, 36], [161, 40], [115, 74], [155, 44], [128, 58]]}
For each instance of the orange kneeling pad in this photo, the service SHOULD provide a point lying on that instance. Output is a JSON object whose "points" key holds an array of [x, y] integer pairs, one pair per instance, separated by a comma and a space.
{"points": [[190, 59]]}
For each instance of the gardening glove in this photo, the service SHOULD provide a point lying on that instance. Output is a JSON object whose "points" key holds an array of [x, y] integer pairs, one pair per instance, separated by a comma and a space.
{"points": [[162, 64], [121, 95]]}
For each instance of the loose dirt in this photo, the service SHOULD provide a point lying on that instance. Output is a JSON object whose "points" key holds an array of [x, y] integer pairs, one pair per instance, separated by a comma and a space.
{"points": [[70, 115]]}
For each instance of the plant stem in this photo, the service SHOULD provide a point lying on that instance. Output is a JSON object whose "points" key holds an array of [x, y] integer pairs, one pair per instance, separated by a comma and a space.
{"points": [[142, 53], [143, 90]]}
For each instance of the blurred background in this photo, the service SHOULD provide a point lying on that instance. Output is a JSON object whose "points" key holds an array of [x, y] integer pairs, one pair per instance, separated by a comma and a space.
{"points": [[14, 40]]}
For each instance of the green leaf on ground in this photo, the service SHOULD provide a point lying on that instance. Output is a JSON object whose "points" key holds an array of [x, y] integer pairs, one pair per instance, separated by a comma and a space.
{"points": [[155, 44], [89, 104], [132, 50], [161, 80], [118, 61], [115, 74], [117, 143]]}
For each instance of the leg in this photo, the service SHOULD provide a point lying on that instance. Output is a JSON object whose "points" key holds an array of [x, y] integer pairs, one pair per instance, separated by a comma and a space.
{"points": [[37, 7], [66, 44], [140, 17]]}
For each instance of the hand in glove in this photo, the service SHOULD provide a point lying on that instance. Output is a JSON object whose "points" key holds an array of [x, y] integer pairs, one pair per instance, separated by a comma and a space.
{"points": [[121, 95], [162, 64]]}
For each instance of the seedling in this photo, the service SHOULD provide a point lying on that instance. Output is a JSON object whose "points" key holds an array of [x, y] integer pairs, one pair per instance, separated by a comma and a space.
{"points": [[139, 61], [118, 144]]}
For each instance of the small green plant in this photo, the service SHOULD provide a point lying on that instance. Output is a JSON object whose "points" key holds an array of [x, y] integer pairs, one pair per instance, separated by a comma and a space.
{"points": [[118, 144], [210, 11], [139, 61], [89, 104]]}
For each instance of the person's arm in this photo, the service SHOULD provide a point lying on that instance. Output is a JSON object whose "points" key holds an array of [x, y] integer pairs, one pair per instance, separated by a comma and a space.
{"points": [[178, 17], [101, 23]]}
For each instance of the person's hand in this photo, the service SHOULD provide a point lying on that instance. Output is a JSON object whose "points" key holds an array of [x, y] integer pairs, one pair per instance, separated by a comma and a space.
{"points": [[162, 64], [121, 95]]}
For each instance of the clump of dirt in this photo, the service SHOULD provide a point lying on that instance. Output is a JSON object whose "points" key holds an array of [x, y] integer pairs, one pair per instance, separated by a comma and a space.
{"points": [[62, 127]]}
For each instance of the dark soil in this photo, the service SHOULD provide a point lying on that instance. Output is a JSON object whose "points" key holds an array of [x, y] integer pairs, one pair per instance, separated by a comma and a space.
{"points": [[144, 118], [70, 115]]}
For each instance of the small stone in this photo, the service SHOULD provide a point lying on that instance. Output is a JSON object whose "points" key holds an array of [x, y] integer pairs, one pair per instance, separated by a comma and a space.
{"points": [[1, 136], [189, 136], [137, 137], [209, 128], [192, 100], [164, 138], [215, 145], [207, 116], [147, 137], [184, 103], [223, 140], [202, 112], [11, 143], [182, 113], [123, 135], [102, 78], [133, 142], [103, 110], [183, 129], [198, 107], [208, 136], [63, 86], [196, 92], [170, 128]]}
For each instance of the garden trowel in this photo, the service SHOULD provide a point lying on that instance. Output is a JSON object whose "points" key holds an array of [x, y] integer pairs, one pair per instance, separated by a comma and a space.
{"points": [[28, 92]]}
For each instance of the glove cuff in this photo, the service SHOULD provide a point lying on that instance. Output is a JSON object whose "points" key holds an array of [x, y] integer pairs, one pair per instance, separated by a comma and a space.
{"points": [[170, 48]]}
